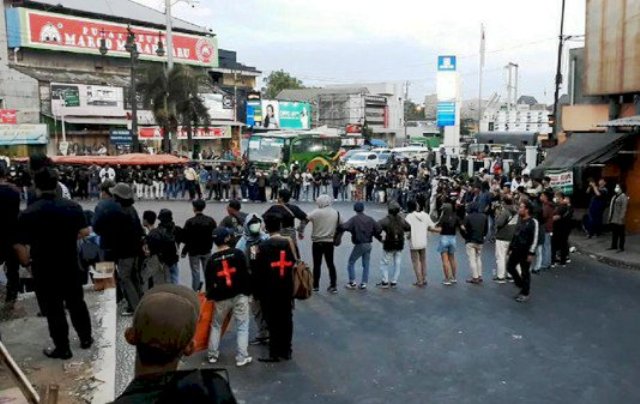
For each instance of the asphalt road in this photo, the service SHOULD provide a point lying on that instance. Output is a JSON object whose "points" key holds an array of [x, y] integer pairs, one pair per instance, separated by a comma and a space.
{"points": [[575, 341]]}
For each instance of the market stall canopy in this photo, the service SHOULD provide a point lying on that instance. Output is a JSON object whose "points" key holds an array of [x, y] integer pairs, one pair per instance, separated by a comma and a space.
{"points": [[125, 159], [582, 149], [518, 139], [630, 121]]}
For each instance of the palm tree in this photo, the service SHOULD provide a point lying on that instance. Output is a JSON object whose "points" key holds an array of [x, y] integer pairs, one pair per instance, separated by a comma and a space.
{"points": [[174, 99]]}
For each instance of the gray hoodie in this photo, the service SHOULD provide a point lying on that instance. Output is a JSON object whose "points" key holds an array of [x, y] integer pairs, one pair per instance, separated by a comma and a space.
{"points": [[325, 220]]}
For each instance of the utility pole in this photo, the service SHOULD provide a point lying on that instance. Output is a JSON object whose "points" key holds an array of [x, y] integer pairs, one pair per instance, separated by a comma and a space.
{"points": [[404, 108], [132, 48], [482, 52], [556, 96], [169, 22]]}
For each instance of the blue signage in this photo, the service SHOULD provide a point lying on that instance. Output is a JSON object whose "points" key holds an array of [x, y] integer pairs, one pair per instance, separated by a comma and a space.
{"points": [[446, 114], [447, 63], [120, 136]]}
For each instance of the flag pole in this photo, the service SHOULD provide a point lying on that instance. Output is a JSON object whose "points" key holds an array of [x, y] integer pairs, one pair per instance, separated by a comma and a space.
{"points": [[482, 52]]}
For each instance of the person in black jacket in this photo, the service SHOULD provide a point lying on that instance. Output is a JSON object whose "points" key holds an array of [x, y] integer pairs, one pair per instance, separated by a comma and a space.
{"points": [[474, 229], [522, 250], [197, 236], [9, 211], [394, 227], [229, 285], [362, 228], [276, 260]]}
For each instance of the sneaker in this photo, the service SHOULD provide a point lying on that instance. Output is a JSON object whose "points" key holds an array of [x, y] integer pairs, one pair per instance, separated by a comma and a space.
{"points": [[363, 286], [454, 281], [316, 289], [244, 361], [475, 281], [351, 286], [332, 289], [259, 341], [383, 285], [501, 281], [446, 282], [126, 313], [522, 298], [55, 353], [212, 359], [393, 285]]}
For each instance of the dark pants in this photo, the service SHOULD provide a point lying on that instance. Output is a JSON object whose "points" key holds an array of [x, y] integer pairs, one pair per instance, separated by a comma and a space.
{"points": [[12, 269], [214, 191], [191, 188], [279, 315], [560, 247], [274, 193], [262, 194], [617, 236], [296, 192], [55, 296], [523, 281], [316, 191], [336, 192], [318, 251]]}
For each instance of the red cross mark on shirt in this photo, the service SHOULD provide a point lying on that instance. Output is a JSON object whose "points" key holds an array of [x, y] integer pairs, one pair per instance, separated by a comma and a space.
{"points": [[226, 272], [282, 264]]}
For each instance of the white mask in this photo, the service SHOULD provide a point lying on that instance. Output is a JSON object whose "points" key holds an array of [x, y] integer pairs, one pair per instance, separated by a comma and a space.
{"points": [[618, 190], [254, 228]]}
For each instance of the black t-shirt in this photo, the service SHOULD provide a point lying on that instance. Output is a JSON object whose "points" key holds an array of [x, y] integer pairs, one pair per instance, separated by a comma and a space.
{"points": [[274, 272], [9, 211], [227, 276], [448, 227], [288, 220], [50, 226]]}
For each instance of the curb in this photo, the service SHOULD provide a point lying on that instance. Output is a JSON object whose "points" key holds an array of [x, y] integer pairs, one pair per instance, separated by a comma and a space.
{"points": [[104, 369], [619, 263]]}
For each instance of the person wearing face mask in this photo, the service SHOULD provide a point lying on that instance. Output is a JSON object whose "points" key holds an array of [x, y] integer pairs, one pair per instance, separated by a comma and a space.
{"points": [[248, 244], [617, 213]]}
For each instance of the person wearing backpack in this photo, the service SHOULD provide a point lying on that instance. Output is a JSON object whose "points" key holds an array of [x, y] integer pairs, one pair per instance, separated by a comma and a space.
{"points": [[506, 220], [276, 261], [248, 244], [173, 233], [394, 227]]}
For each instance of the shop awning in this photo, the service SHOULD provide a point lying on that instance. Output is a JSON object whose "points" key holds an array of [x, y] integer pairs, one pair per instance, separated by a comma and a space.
{"points": [[226, 123], [125, 159], [583, 149], [85, 120], [631, 121], [518, 139]]}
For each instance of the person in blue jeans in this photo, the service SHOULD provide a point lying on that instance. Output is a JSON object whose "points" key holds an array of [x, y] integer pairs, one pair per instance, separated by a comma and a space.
{"points": [[394, 227], [446, 226], [362, 228]]}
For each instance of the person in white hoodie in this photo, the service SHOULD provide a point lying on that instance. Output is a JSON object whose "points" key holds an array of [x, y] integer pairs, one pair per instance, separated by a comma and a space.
{"points": [[420, 223]]}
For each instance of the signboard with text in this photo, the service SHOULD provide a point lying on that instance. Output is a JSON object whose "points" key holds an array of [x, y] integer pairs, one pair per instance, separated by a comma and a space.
{"points": [[295, 115], [561, 180], [29, 28], [155, 133], [8, 116], [446, 114], [86, 100], [120, 136]]}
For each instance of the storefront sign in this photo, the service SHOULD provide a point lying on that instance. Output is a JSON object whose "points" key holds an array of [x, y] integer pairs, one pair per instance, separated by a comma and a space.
{"points": [[8, 116], [295, 115], [155, 133], [85, 100], [44, 30], [561, 180], [217, 106], [25, 134], [120, 136]]}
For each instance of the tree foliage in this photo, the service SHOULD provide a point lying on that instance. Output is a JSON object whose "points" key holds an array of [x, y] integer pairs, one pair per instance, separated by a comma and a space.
{"points": [[413, 111], [280, 80]]}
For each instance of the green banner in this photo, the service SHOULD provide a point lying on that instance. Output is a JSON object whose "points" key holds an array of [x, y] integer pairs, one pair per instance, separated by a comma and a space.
{"points": [[295, 115]]}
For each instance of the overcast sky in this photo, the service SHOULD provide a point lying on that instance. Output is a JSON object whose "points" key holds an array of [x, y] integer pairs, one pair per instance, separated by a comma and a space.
{"points": [[350, 41]]}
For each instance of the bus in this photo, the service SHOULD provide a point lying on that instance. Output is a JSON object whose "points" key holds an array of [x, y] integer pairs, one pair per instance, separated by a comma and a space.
{"points": [[308, 149]]}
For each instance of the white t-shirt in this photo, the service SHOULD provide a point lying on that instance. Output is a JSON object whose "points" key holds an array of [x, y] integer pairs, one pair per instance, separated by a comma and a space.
{"points": [[420, 223]]}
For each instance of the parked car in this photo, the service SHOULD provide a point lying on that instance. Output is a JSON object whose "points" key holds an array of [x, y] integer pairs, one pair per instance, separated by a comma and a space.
{"points": [[366, 160], [410, 152]]}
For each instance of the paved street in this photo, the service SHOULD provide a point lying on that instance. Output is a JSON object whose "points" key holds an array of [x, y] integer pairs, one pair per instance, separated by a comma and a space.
{"points": [[575, 341]]}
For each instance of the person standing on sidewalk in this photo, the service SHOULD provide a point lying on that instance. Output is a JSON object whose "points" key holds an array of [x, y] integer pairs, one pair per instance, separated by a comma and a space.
{"points": [[325, 221], [420, 223], [362, 228], [394, 227], [561, 230], [522, 250], [506, 220], [197, 236], [229, 285], [9, 211], [47, 242], [617, 215], [191, 178], [597, 205], [474, 229], [543, 254]]}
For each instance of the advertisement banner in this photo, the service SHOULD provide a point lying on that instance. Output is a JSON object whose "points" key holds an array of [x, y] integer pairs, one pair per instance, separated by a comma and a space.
{"points": [[44, 30], [220, 107], [84, 100], [270, 114], [155, 133], [8, 116], [295, 115], [25, 134], [446, 114], [561, 180], [120, 136]]}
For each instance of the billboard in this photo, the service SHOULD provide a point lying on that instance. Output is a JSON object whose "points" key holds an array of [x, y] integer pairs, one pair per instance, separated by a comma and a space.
{"points": [[446, 114], [120, 136], [219, 106], [612, 49], [86, 100], [254, 109], [295, 115], [155, 133], [561, 180], [270, 114], [29, 28], [8, 116]]}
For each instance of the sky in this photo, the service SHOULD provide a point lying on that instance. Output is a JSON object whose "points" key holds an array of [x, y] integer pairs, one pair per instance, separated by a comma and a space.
{"points": [[360, 41]]}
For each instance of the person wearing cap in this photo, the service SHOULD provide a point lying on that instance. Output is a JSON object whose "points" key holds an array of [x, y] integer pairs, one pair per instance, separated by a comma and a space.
{"points": [[362, 228], [197, 236], [420, 223], [228, 283], [274, 273], [121, 236], [235, 219], [47, 242], [162, 332], [522, 250], [248, 244], [394, 227]]}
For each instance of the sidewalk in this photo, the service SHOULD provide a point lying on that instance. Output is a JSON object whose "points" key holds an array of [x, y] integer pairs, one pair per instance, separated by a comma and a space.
{"points": [[89, 376], [596, 248]]}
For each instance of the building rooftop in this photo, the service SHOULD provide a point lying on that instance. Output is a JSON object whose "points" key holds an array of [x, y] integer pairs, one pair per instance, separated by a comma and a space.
{"points": [[310, 94], [123, 11]]}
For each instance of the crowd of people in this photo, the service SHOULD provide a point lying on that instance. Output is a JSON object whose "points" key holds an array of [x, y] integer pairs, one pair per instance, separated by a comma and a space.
{"points": [[245, 262]]}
